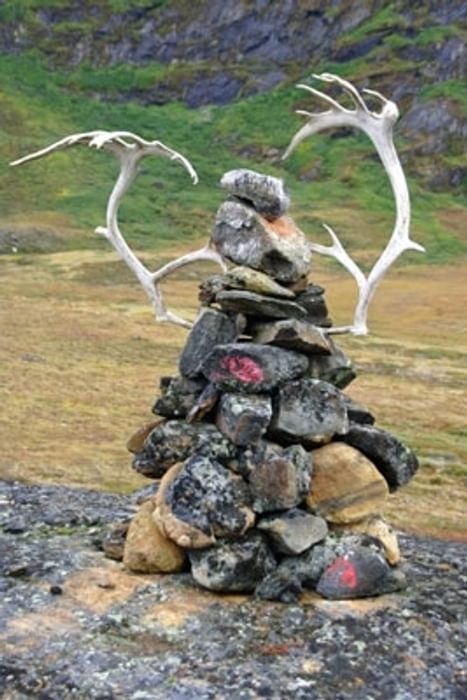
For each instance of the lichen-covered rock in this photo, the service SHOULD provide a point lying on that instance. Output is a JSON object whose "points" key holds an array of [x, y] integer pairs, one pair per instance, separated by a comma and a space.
{"points": [[204, 403], [312, 300], [147, 550], [267, 194], [309, 411], [242, 277], [233, 566], [396, 462], [258, 305], [174, 441], [252, 368], [346, 485], [335, 368], [359, 573], [210, 329], [375, 526], [244, 418], [293, 531], [179, 394], [276, 248], [280, 585], [136, 441], [292, 334], [205, 496], [279, 478]]}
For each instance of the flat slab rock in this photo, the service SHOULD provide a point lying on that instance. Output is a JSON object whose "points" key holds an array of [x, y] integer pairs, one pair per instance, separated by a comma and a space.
{"points": [[277, 248], [292, 334], [252, 368], [258, 305], [111, 633]]}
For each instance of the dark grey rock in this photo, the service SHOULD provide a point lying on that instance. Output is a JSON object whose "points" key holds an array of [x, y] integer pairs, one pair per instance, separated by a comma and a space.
{"points": [[293, 531], [279, 478], [309, 411], [292, 334], [179, 394], [245, 237], [312, 300], [396, 462], [258, 305], [204, 403], [252, 368], [174, 441], [335, 368], [358, 413], [359, 573], [233, 566], [208, 497], [244, 418], [210, 329], [267, 194], [280, 585]]}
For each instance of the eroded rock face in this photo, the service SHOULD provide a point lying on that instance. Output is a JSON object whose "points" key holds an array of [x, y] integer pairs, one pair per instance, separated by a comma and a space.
{"points": [[233, 566], [346, 485], [309, 411], [267, 194], [205, 495], [277, 248], [252, 368], [279, 478], [396, 462]]}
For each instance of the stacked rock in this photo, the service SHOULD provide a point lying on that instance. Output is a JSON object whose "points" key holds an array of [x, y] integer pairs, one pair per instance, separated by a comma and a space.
{"points": [[271, 478]]}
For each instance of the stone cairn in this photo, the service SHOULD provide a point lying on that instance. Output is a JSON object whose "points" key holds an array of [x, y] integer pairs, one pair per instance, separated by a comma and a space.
{"points": [[272, 479]]}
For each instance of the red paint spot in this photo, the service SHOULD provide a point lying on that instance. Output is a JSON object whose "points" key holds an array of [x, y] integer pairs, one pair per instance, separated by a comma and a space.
{"points": [[243, 368], [345, 572]]}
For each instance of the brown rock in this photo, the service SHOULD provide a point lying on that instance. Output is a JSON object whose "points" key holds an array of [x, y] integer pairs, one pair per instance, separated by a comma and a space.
{"points": [[346, 486], [147, 549], [377, 527]]}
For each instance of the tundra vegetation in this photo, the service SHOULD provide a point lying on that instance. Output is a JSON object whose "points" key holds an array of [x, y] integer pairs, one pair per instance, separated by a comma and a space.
{"points": [[80, 354]]}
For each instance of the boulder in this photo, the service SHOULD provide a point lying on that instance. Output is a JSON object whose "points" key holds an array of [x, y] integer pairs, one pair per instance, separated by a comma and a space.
{"points": [[244, 418], [205, 497], [265, 193], [252, 368], [375, 526], [308, 411], [279, 478], [396, 462], [359, 573], [147, 550], [293, 531], [292, 334], [233, 566], [174, 441], [276, 248], [346, 486], [210, 329]]}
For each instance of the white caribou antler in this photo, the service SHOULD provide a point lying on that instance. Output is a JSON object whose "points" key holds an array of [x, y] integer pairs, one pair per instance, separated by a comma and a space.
{"points": [[378, 126], [130, 149]]}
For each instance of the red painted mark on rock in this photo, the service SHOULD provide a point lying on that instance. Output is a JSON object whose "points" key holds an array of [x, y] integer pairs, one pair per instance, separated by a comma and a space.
{"points": [[243, 368], [345, 572]]}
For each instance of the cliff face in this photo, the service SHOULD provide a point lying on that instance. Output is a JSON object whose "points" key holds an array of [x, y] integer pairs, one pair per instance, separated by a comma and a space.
{"points": [[217, 51]]}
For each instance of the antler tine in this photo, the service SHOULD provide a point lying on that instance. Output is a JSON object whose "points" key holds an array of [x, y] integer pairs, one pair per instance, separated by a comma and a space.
{"points": [[323, 97], [350, 89], [129, 155]]}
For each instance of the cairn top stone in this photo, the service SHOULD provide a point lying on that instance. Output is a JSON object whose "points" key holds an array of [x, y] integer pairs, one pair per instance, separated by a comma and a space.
{"points": [[267, 194]]}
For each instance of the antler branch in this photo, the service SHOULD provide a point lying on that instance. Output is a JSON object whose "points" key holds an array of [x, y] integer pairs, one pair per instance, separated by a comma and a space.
{"points": [[130, 149], [378, 126]]}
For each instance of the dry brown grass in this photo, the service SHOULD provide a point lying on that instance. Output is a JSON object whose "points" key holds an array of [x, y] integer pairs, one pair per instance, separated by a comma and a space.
{"points": [[81, 358]]}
